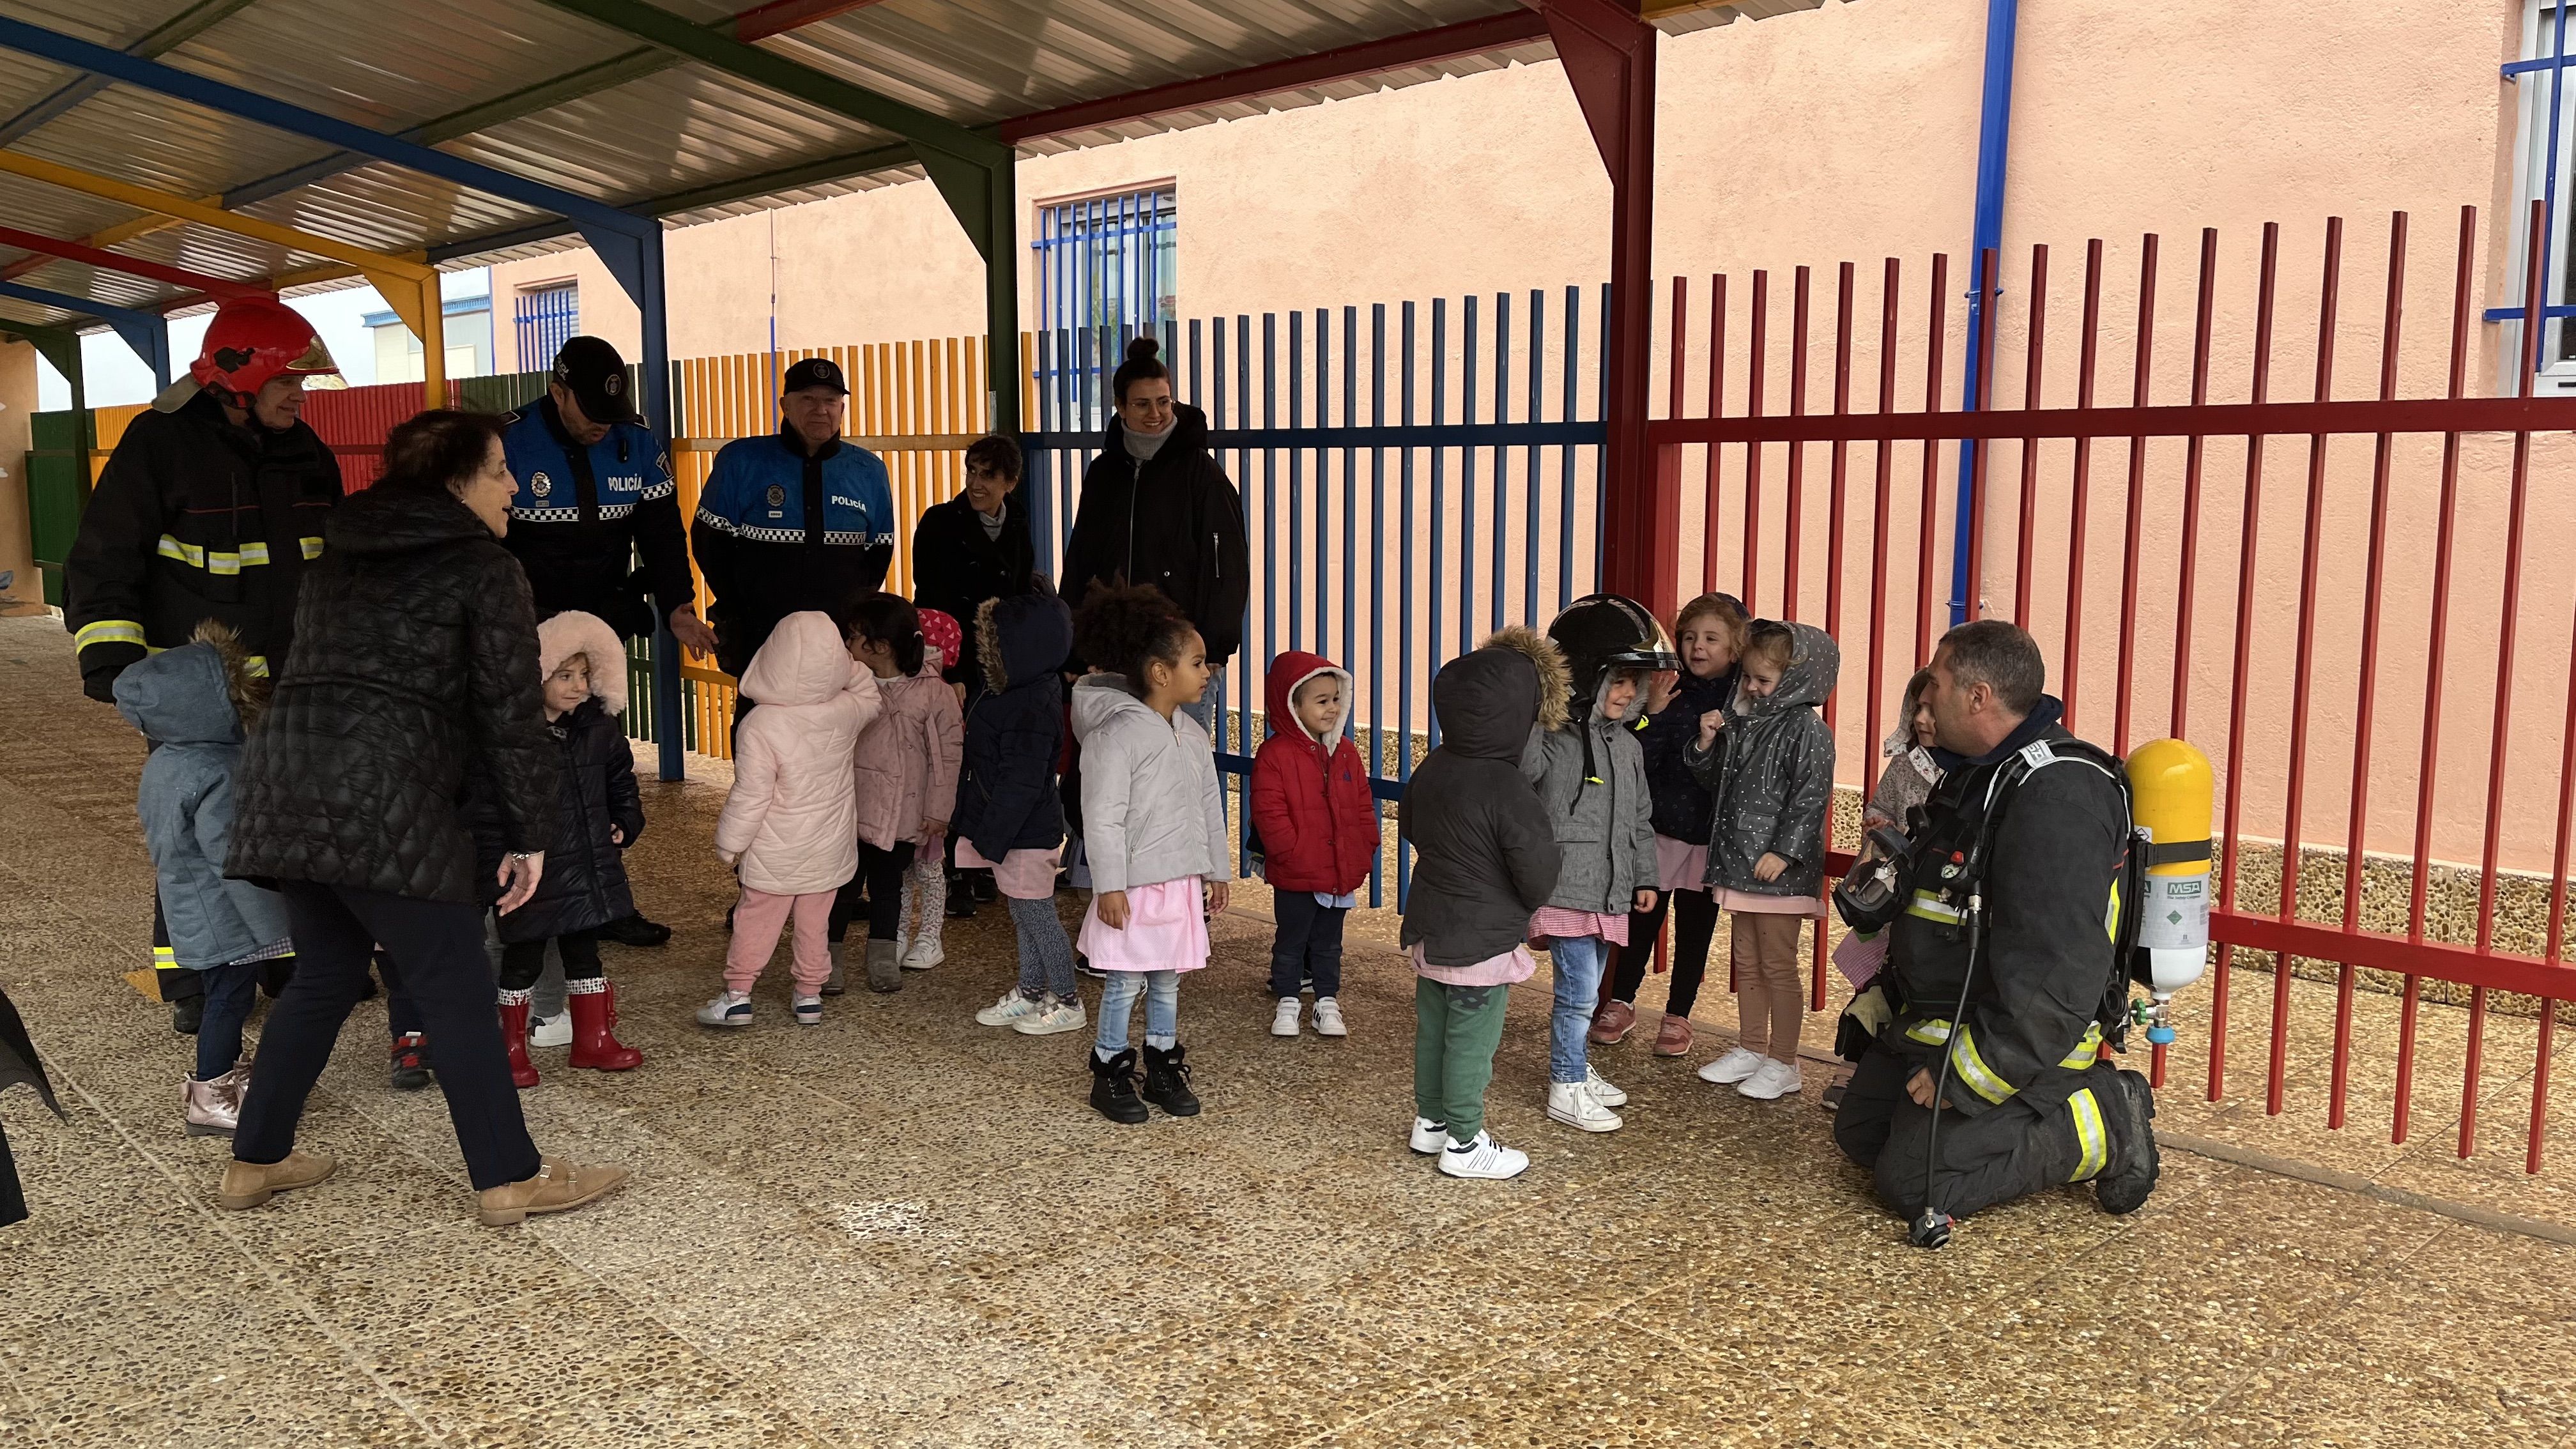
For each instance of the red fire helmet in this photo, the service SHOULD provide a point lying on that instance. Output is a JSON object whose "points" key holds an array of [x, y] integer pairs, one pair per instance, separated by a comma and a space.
{"points": [[254, 339]]}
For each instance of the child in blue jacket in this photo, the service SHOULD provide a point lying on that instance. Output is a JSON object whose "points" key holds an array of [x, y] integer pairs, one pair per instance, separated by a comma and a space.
{"points": [[196, 704]]}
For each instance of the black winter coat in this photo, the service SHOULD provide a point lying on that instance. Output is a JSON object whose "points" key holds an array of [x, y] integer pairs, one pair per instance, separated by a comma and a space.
{"points": [[1485, 851], [955, 568], [196, 519], [415, 663], [584, 884], [1006, 795], [1175, 522], [1683, 808], [18, 1063]]}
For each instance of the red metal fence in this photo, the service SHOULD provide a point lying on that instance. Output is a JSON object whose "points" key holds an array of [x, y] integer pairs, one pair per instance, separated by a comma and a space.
{"points": [[354, 421], [2308, 714]]}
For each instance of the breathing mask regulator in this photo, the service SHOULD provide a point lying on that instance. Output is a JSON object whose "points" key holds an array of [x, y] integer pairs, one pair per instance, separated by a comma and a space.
{"points": [[2159, 907]]}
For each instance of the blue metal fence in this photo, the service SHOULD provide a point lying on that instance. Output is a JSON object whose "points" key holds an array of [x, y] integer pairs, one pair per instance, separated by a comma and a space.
{"points": [[547, 318], [1436, 474]]}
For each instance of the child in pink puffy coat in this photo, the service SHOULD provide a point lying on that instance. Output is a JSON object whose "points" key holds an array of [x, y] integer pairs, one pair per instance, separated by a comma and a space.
{"points": [[905, 766], [791, 823]]}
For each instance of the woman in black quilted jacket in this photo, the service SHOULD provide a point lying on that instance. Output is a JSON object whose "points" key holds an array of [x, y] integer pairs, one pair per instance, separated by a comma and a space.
{"points": [[415, 664]]}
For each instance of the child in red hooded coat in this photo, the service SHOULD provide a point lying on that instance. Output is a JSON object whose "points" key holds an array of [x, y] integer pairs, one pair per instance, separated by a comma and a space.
{"points": [[1318, 823]]}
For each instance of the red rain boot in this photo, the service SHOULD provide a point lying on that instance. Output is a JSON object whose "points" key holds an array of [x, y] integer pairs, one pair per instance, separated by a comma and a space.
{"points": [[514, 1037], [594, 1015]]}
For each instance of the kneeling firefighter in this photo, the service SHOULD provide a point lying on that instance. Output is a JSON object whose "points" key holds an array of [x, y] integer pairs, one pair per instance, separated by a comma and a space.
{"points": [[2006, 972]]}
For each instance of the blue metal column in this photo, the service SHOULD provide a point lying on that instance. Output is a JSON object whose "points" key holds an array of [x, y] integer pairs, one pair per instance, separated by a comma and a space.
{"points": [[1994, 134], [148, 333], [660, 417]]}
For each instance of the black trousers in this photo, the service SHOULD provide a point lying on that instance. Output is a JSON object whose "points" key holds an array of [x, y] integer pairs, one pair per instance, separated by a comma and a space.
{"points": [[1694, 925], [522, 962], [1309, 944], [2000, 1154], [881, 873], [437, 947]]}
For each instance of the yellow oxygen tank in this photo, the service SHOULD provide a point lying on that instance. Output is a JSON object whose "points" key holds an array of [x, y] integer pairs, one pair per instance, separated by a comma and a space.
{"points": [[2172, 789]]}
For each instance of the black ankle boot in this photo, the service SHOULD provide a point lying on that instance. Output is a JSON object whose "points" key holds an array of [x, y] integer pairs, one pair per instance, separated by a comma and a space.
{"points": [[1113, 1087], [2128, 1106], [1167, 1081]]}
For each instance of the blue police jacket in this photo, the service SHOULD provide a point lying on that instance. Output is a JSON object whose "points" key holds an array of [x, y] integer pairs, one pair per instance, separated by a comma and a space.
{"points": [[779, 531], [582, 516]]}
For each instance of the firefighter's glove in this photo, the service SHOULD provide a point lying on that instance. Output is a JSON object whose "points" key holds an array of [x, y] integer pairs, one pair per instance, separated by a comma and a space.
{"points": [[1862, 1021], [106, 661]]}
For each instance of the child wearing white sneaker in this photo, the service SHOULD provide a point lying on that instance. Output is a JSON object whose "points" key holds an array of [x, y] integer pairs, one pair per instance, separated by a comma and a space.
{"points": [[1485, 859], [920, 924], [1768, 761], [1153, 824], [1009, 817], [906, 767], [1591, 777], [1318, 823], [791, 823]]}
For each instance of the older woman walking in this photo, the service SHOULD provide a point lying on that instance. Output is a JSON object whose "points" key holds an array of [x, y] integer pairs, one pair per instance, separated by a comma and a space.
{"points": [[414, 667]]}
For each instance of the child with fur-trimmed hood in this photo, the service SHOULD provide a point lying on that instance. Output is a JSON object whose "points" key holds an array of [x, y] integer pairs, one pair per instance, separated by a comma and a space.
{"points": [[600, 813], [1010, 819], [196, 704], [1591, 777], [1318, 824]]}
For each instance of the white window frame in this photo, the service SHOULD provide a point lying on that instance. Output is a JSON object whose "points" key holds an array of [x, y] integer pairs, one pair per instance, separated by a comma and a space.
{"points": [[2530, 174]]}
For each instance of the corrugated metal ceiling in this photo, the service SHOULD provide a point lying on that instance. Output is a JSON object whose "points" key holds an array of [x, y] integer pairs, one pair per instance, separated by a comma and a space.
{"points": [[678, 133]]}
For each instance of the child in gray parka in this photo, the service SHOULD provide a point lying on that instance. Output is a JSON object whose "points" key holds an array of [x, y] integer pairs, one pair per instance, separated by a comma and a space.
{"points": [[1590, 775], [195, 704], [1768, 760]]}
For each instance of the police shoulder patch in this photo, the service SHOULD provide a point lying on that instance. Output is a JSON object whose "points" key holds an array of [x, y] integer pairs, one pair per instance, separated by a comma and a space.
{"points": [[2037, 754]]}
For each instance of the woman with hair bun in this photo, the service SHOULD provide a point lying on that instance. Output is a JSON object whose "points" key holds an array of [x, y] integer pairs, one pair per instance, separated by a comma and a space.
{"points": [[1157, 511]]}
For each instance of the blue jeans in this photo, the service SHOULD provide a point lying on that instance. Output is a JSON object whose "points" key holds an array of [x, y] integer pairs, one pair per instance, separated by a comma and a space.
{"points": [[1162, 993], [1576, 962], [229, 990]]}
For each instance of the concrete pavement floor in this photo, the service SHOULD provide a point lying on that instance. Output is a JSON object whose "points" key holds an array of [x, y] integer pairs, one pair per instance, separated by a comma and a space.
{"points": [[902, 1228]]}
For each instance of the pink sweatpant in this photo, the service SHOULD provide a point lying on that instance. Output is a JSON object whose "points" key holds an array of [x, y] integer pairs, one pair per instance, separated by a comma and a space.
{"points": [[756, 921]]}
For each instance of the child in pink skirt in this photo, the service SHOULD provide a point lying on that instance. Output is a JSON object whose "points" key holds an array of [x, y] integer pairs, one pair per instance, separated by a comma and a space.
{"points": [[1153, 825], [791, 824]]}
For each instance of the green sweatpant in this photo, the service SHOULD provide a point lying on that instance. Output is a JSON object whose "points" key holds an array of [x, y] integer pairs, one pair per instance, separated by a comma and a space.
{"points": [[1457, 1030]]}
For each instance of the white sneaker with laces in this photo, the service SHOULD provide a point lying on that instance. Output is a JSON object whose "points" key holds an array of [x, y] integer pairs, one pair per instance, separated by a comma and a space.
{"points": [[1602, 1092], [1283, 1022], [1430, 1136], [1572, 1103], [1733, 1067], [923, 952], [730, 1008], [1772, 1081], [1484, 1158], [1057, 1016], [550, 1031], [1328, 1017], [1011, 1009]]}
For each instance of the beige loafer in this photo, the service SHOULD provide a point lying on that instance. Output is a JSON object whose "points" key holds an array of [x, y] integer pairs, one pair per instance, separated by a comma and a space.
{"points": [[248, 1184], [557, 1187]]}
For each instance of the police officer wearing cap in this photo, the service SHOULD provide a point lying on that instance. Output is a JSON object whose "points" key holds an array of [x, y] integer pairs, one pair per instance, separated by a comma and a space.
{"points": [[792, 521], [595, 494]]}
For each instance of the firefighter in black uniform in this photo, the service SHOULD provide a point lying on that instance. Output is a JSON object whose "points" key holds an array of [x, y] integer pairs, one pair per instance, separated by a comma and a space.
{"points": [[2027, 1100], [209, 508], [595, 496]]}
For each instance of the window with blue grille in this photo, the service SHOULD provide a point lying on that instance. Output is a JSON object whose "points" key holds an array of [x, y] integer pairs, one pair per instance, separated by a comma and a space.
{"points": [[547, 318], [1105, 271]]}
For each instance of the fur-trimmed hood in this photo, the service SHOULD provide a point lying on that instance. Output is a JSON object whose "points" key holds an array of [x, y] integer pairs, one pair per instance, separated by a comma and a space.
{"points": [[573, 632], [1555, 677], [204, 692], [1020, 637]]}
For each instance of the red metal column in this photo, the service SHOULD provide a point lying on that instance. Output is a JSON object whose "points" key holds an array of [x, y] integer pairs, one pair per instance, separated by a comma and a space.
{"points": [[1609, 55]]}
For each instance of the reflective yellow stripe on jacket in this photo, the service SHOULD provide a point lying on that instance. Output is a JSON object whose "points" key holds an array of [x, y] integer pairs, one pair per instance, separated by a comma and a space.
{"points": [[108, 631], [312, 548], [216, 561], [1934, 1031], [1929, 906], [1971, 1068]]}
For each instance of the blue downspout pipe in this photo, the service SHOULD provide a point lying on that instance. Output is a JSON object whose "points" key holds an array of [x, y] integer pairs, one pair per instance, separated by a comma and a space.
{"points": [[1994, 145]]}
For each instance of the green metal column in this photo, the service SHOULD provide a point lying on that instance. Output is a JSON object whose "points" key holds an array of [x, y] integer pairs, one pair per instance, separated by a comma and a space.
{"points": [[974, 172]]}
